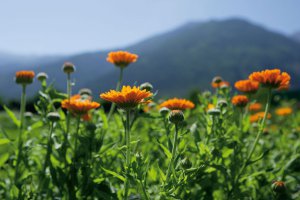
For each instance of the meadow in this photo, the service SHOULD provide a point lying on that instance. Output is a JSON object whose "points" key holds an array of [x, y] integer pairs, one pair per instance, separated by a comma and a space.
{"points": [[225, 144]]}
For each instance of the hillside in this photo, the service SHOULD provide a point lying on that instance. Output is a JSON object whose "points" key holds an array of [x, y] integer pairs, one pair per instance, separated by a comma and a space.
{"points": [[296, 36], [185, 58]]}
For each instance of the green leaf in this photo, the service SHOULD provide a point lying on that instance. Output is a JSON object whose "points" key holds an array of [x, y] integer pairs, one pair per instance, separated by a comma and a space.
{"points": [[114, 174], [226, 152], [166, 151], [4, 141], [12, 116], [3, 158]]}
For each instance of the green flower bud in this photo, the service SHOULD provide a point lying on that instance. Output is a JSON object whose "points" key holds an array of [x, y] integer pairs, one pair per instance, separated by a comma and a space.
{"points": [[222, 103], [176, 116], [146, 86], [53, 116], [214, 112], [217, 79], [68, 68], [164, 111], [42, 76], [85, 91], [28, 115], [278, 186]]}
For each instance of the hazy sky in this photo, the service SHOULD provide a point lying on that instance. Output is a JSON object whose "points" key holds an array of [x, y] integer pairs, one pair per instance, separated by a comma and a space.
{"points": [[73, 26]]}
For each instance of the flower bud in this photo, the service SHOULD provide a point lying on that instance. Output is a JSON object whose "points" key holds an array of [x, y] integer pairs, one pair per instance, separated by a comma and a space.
{"points": [[206, 94], [217, 79], [53, 116], [278, 186], [176, 116], [42, 76], [164, 111], [68, 68], [24, 77], [146, 86], [214, 112], [28, 115], [85, 91], [222, 103], [91, 127]]}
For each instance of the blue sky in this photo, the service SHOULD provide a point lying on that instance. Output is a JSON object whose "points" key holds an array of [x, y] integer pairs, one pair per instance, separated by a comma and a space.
{"points": [[73, 26]]}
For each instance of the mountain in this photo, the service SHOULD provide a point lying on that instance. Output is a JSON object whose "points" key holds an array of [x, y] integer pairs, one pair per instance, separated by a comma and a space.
{"points": [[183, 59], [296, 36]]}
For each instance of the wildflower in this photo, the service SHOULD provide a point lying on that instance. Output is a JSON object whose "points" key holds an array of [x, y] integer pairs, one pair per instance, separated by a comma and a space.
{"points": [[79, 106], [218, 82], [68, 68], [278, 186], [178, 104], [176, 116], [284, 111], [222, 103], [273, 78], [121, 58], [247, 86], [258, 116], [24, 77], [255, 107], [210, 106], [42, 76], [127, 98], [146, 86], [240, 100]]}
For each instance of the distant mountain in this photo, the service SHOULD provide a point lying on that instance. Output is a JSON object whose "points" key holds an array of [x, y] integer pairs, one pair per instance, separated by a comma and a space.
{"points": [[296, 36], [184, 59]]}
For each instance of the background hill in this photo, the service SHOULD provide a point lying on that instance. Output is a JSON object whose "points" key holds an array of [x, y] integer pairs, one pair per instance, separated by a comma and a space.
{"points": [[181, 60], [296, 36]]}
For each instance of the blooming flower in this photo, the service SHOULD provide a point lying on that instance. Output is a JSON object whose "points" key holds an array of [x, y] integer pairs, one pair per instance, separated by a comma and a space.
{"points": [[121, 58], [258, 116], [247, 86], [273, 78], [79, 106], [177, 104], [255, 107], [240, 100], [24, 77], [283, 111], [127, 98]]}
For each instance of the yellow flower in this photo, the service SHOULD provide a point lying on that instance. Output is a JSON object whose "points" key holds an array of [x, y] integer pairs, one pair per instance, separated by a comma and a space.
{"points": [[240, 100], [121, 58], [79, 106], [127, 98], [177, 104], [283, 111], [273, 78], [246, 86]]}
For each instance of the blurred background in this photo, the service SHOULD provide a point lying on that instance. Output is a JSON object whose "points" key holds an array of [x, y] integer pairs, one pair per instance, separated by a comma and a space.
{"points": [[182, 44]]}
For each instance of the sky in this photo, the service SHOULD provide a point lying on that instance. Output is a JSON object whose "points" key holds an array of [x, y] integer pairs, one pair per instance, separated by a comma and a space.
{"points": [[36, 27]]}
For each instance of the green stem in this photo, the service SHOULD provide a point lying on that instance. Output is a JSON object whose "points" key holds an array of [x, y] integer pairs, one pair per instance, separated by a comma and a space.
{"points": [[49, 149], [65, 142], [261, 128], [171, 164], [144, 191], [113, 105], [128, 155], [241, 119], [20, 141]]}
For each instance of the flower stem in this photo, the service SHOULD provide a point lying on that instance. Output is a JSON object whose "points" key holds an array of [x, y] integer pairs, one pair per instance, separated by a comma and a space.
{"points": [[49, 148], [113, 105], [65, 142], [171, 164], [128, 155], [20, 141], [261, 128]]}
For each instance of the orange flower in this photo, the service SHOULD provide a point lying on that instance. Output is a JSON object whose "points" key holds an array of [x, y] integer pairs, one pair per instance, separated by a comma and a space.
{"points": [[258, 116], [240, 100], [210, 106], [177, 104], [79, 106], [255, 107], [128, 97], [273, 78], [220, 84], [246, 86], [24, 77], [121, 58], [284, 111]]}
